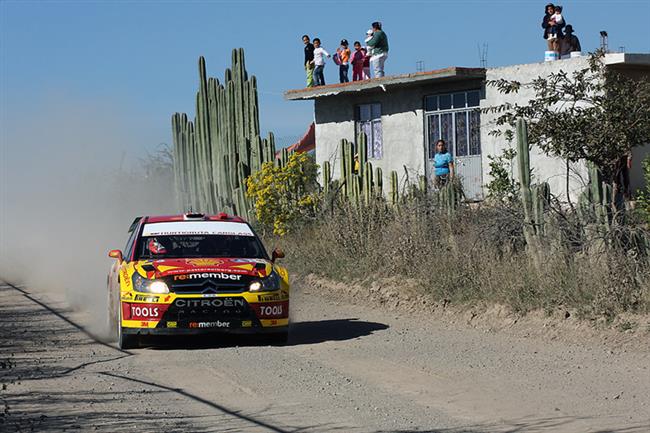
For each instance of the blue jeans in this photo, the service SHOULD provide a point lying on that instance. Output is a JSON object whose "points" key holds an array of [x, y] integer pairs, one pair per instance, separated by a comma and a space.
{"points": [[343, 73], [319, 78]]}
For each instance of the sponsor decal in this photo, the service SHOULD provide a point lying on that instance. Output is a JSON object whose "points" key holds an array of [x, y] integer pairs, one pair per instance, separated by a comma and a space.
{"points": [[271, 310], [217, 324], [219, 275], [216, 302], [127, 296], [143, 311], [172, 324], [167, 298], [246, 323], [147, 298], [125, 278], [209, 295], [269, 298], [231, 270], [138, 311], [204, 262], [196, 228]]}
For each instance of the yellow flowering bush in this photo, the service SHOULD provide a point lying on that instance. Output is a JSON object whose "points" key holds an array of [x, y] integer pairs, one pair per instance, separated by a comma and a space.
{"points": [[284, 196]]}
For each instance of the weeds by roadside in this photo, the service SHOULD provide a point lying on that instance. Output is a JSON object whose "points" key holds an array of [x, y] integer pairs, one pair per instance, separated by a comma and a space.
{"points": [[476, 255]]}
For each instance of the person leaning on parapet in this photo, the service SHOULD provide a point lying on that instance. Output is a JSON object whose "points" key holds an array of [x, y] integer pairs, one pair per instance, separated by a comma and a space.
{"points": [[444, 165], [570, 42], [309, 60], [319, 63], [379, 45]]}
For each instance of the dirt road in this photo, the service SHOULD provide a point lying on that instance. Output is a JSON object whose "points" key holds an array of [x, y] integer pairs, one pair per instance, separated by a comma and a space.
{"points": [[347, 368]]}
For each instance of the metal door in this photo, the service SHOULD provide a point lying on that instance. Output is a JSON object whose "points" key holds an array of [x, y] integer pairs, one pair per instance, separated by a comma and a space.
{"points": [[461, 131]]}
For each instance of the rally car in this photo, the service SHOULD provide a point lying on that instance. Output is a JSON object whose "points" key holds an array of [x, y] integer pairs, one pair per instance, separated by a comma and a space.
{"points": [[195, 274]]}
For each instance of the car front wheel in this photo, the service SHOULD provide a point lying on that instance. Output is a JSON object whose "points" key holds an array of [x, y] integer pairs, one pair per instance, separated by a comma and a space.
{"points": [[125, 341]]}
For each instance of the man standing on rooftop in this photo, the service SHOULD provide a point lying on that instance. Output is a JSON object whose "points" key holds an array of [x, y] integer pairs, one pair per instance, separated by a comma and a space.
{"points": [[309, 60], [379, 45]]}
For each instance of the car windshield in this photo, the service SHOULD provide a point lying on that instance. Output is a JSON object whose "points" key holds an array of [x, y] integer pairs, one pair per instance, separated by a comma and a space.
{"points": [[190, 239], [192, 246]]}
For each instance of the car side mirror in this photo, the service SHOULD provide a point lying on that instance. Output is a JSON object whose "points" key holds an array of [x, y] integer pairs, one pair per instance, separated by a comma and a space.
{"points": [[277, 254], [116, 254]]}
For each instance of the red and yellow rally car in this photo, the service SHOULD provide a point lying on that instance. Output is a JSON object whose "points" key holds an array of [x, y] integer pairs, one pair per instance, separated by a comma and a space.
{"points": [[194, 273]]}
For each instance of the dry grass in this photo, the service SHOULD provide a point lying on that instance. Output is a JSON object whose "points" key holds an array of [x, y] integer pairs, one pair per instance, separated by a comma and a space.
{"points": [[476, 255]]}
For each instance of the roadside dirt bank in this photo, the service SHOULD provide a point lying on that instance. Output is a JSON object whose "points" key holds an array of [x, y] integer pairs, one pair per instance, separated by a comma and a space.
{"points": [[626, 331]]}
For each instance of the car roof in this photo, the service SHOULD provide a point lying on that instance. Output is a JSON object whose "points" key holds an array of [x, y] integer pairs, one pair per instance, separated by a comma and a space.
{"points": [[193, 217]]}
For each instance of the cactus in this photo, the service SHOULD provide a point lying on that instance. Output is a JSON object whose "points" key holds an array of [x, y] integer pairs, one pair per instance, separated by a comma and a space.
{"points": [[327, 177], [215, 153], [359, 182], [394, 188]]}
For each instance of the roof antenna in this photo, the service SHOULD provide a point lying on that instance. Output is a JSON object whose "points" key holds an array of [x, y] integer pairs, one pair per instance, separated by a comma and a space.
{"points": [[483, 54], [604, 41]]}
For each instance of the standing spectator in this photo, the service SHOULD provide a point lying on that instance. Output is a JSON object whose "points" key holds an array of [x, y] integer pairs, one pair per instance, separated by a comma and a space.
{"points": [[558, 23], [319, 63], [552, 24], [549, 10], [570, 42], [379, 45], [444, 165], [358, 58], [366, 60], [309, 60], [344, 58]]}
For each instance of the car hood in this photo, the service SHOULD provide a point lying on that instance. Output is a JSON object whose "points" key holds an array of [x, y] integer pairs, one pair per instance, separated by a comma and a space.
{"points": [[166, 267]]}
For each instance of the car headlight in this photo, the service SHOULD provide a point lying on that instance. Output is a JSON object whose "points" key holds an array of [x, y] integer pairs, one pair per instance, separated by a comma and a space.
{"points": [[268, 284], [144, 285]]}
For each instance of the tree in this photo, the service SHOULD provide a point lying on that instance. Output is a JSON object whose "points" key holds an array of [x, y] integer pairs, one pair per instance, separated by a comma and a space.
{"points": [[285, 195], [595, 114]]}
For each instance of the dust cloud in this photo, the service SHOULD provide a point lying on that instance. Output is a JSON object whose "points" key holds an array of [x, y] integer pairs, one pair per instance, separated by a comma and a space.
{"points": [[74, 178]]}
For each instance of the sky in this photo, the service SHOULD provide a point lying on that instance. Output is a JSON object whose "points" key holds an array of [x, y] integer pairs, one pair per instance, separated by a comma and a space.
{"points": [[113, 72]]}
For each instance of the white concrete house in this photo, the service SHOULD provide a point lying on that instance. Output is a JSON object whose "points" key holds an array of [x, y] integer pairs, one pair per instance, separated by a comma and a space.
{"points": [[405, 115]]}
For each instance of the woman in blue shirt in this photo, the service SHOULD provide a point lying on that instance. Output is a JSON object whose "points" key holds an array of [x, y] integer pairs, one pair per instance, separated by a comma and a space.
{"points": [[444, 164]]}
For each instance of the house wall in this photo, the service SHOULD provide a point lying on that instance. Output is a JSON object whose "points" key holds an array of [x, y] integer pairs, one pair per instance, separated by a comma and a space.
{"points": [[402, 120], [545, 168], [402, 130]]}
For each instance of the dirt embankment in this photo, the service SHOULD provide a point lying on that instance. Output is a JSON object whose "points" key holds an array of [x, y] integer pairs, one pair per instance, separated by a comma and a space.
{"points": [[406, 296]]}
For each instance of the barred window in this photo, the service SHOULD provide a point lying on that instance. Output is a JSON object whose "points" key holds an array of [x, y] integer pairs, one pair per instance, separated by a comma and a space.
{"points": [[369, 122]]}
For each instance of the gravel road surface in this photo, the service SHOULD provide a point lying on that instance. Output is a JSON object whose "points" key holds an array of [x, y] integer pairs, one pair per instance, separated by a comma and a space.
{"points": [[346, 368]]}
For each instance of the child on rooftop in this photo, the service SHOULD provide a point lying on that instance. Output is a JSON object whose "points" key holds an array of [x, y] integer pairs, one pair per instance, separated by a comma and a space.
{"points": [[319, 62], [344, 57], [366, 60], [358, 59], [556, 23]]}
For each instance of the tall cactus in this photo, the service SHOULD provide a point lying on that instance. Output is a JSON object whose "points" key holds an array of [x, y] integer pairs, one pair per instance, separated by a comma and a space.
{"points": [[360, 182], [327, 177], [394, 188], [534, 198], [215, 153]]}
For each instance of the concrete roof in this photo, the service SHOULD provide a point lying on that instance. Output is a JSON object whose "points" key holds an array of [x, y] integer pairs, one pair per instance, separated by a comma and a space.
{"points": [[448, 74]]}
